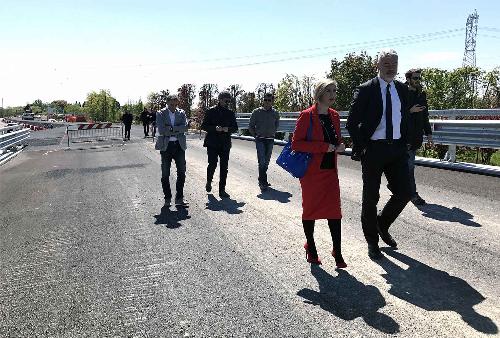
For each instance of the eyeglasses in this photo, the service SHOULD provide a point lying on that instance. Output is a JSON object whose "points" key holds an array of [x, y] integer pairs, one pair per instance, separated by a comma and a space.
{"points": [[416, 78]]}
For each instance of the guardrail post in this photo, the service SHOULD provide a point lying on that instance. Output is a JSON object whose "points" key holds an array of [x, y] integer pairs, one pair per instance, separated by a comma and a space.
{"points": [[451, 154]]}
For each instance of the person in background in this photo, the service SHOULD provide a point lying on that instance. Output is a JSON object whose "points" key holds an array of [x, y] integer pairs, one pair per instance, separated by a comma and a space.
{"points": [[127, 119], [152, 121], [263, 125], [418, 125], [320, 184], [378, 127], [171, 142], [219, 122], [145, 121]]}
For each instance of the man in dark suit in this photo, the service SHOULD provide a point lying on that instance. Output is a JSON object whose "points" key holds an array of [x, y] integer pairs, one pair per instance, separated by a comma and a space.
{"points": [[418, 125], [377, 124], [127, 119], [219, 123]]}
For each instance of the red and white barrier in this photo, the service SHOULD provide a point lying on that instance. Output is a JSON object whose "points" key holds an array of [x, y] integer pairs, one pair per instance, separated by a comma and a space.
{"points": [[94, 126]]}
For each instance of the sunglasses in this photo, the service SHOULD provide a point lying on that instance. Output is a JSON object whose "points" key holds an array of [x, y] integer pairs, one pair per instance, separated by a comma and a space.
{"points": [[416, 78]]}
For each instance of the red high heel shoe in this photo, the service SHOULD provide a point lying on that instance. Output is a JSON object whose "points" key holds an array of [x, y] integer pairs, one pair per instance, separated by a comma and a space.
{"points": [[339, 261], [309, 258]]}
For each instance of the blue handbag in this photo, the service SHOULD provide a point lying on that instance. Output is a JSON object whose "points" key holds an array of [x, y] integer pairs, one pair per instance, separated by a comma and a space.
{"points": [[296, 162]]}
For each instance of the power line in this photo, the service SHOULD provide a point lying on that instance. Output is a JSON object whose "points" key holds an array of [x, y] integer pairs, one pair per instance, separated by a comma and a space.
{"points": [[354, 44], [489, 36], [403, 42], [491, 29], [350, 46]]}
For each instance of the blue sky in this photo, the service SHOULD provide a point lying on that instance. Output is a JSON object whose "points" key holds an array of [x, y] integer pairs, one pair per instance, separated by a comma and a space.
{"points": [[64, 49]]}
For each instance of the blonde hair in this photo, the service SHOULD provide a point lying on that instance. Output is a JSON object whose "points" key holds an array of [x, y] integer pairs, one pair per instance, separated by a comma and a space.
{"points": [[320, 88]]}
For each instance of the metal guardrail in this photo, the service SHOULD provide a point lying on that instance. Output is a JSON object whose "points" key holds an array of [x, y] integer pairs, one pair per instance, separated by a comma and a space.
{"points": [[89, 132], [9, 129], [38, 123], [471, 133], [10, 138], [449, 113]]}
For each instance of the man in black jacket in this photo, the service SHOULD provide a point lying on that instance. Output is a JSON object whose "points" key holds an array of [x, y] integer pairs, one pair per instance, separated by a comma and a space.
{"points": [[418, 125], [219, 123], [145, 121], [377, 125], [152, 120], [127, 119]]}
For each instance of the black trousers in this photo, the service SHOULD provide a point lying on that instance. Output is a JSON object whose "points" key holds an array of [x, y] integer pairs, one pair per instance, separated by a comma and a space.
{"points": [[153, 129], [214, 154], [391, 160], [335, 231], [146, 128], [127, 132], [176, 153]]}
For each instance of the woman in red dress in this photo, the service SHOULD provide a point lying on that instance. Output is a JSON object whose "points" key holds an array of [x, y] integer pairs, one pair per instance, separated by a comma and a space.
{"points": [[320, 185]]}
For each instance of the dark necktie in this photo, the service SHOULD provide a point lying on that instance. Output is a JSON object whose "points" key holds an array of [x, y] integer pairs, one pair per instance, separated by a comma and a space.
{"points": [[388, 114]]}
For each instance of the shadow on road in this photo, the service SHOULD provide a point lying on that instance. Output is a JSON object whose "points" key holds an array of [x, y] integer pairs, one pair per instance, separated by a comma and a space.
{"points": [[275, 195], [227, 204], [434, 290], [441, 213], [347, 298], [172, 218], [63, 172]]}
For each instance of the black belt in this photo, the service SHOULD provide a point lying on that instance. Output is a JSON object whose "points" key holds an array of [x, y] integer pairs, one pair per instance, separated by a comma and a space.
{"points": [[384, 141]]}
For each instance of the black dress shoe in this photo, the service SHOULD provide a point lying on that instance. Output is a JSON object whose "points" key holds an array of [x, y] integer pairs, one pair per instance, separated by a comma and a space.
{"points": [[374, 252], [208, 187], [387, 238]]}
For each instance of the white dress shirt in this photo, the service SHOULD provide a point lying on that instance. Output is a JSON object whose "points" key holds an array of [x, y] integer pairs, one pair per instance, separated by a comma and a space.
{"points": [[172, 123], [379, 133]]}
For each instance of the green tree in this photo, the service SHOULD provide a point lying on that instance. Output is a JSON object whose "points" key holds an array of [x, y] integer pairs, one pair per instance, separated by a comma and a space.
{"points": [[157, 101], [306, 89], [247, 102], [491, 88], [288, 95], [186, 94], [38, 103], [60, 105], [74, 108], [349, 73], [236, 91], [101, 106], [208, 95], [452, 89]]}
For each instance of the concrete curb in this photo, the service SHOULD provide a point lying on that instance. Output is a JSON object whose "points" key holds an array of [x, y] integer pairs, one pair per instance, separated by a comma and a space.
{"points": [[472, 168]]}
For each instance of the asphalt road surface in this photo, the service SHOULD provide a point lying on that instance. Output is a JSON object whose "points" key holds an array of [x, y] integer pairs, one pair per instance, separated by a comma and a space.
{"points": [[86, 249]]}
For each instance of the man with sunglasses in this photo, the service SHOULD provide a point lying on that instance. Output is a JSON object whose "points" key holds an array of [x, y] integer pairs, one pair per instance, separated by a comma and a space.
{"points": [[263, 125], [219, 122], [418, 125]]}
